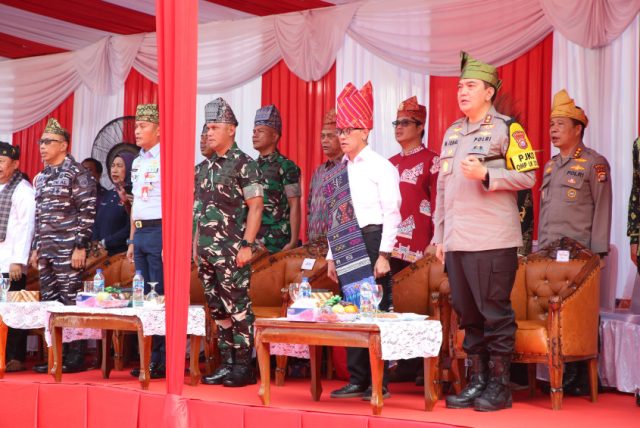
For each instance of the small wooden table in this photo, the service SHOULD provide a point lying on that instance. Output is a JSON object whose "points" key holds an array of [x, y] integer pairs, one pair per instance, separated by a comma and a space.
{"points": [[316, 335], [108, 323]]}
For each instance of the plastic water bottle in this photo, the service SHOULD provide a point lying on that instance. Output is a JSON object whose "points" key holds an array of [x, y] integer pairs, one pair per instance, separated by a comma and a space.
{"points": [[98, 281], [305, 288], [137, 294]]}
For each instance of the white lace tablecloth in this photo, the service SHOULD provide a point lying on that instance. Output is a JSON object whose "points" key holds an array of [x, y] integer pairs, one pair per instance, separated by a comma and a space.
{"points": [[400, 340], [153, 321]]}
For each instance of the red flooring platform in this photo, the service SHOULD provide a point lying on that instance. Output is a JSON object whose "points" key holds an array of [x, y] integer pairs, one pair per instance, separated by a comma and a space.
{"points": [[84, 400]]}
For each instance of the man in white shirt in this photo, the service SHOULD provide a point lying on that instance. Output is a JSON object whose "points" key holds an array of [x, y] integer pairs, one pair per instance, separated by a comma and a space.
{"points": [[363, 199], [17, 216]]}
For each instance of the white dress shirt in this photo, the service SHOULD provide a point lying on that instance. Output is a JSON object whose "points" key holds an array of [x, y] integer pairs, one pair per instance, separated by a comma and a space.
{"points": [[16, 246], [375, 193], [146, 185]]}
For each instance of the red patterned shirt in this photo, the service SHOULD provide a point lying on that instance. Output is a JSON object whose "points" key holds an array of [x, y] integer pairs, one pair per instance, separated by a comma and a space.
{"points": [[418, 171]]}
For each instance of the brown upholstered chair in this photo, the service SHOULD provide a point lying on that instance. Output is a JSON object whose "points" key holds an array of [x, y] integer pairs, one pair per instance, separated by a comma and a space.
{"points": [[557, 308], [418, 288]]}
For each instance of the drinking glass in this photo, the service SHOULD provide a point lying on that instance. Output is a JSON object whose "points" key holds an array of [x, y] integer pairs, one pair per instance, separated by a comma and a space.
{"points": [[88, 286], [5, 283], [152, 296], [294, 291], [376, 296]]}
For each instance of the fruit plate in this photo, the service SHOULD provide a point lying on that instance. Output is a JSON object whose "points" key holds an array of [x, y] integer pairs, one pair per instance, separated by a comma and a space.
{"points": [[113, 303]]}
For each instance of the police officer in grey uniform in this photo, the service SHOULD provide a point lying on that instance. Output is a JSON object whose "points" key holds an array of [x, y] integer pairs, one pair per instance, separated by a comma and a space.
{"points": [[65, 212], [486, 158], [575, 201]]}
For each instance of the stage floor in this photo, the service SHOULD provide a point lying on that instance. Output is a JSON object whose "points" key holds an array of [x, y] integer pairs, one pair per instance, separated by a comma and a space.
{"points": [[613, 409]]}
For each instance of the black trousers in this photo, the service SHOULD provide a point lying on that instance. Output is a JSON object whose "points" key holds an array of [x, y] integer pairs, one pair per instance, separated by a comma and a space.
{"points": [[16, 338], [358, 358], [481, 283]]}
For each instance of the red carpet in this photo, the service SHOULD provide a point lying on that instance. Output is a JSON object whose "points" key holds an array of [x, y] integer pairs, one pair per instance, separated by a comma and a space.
{"points": [[84, 400]]}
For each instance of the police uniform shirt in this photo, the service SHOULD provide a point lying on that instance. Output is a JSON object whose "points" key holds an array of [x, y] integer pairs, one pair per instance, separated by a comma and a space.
{"points": [[146, 185], [472, 215], [575, 200]]}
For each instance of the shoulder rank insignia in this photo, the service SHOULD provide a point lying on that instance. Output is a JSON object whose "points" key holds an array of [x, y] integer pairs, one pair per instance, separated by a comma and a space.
{"points": [[601, 171], [520, 155], [487, 119], [578, 153]]}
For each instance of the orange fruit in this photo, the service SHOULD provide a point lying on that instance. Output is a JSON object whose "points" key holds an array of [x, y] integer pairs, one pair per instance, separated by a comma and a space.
{"points": [[351, 309]]}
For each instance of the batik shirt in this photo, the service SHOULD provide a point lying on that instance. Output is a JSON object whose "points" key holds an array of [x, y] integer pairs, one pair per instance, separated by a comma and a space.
{"points": [[418, 171], [317, 211], [281, 182], [221, 210]]}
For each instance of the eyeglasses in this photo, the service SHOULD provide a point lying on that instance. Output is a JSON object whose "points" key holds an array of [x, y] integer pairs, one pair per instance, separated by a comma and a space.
{"points": [[47, 141], [404, 123], [346, 131]]}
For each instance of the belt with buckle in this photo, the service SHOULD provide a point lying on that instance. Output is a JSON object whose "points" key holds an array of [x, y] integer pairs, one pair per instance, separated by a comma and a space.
{"points": [[139, 224]]}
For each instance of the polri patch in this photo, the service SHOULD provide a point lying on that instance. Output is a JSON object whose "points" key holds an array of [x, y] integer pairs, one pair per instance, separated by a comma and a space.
{"points": [[601, 171]]}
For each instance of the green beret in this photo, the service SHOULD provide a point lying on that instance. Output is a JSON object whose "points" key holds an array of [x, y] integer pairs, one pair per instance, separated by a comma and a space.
{"points": [[148, 113], [473, 69]]}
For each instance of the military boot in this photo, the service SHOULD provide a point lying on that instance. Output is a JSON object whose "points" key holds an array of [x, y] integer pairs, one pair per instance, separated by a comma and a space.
{"points": [[497, 394], [478, 377], [242, 373], [221, 373], [73, 361]]}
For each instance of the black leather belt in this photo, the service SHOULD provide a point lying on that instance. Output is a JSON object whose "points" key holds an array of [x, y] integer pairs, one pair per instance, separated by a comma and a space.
{"points": [[139, 224], [370, 228]]}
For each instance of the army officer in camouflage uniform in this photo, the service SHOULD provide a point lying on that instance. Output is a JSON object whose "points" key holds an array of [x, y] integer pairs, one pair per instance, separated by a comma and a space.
{"points": [[65, 212], [228, 215], [281, 216]]}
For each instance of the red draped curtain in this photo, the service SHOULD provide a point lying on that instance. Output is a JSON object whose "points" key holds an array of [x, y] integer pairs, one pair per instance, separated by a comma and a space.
{"points": [[27, 139], [526, 82], [138, 90], [302, 105]]}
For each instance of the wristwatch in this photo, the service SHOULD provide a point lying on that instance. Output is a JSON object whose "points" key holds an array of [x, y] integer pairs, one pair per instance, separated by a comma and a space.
{"points": [[244, 243], [384, 254], [129, 241]]}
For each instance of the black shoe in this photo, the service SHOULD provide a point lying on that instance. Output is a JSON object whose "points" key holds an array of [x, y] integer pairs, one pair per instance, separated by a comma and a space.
{"points": [[41, 368], [242, 373], [349, 391], [367, 394], [222, 372], [218, 376], [419, 380], [478, 379], [497, 394], [73, 365], [156, 371]]}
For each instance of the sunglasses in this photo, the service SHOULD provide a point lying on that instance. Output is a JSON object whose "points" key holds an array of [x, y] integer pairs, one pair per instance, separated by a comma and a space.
{"points": [[404, 123], [47, 141]]}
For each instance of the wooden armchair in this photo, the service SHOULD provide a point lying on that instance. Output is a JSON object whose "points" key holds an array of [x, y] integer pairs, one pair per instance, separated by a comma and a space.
{"points": [[557, 308], [418, 288]]}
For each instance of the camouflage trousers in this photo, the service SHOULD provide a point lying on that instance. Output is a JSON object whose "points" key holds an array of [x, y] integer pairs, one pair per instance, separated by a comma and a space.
{"points": [[274, 237], [58, 280], [226, 288]]}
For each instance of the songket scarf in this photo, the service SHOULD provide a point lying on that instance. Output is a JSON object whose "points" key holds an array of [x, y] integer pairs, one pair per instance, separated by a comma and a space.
{"points": [[5, 202], [345, 237]]}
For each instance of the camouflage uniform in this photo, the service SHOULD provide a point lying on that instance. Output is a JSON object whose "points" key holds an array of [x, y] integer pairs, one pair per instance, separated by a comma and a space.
{"points": [[281, 181], [633, 222], [65, 212], [221, 214], [199, 176]]}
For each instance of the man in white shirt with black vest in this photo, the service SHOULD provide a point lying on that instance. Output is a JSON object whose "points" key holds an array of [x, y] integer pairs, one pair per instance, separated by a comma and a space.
{"points": [[17, 217]]}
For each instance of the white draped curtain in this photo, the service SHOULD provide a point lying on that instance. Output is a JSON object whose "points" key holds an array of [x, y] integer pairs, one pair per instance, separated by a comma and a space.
{"points": [[244, 102], [419, 35], [91, 112], [604, 82], [391, 86]]}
